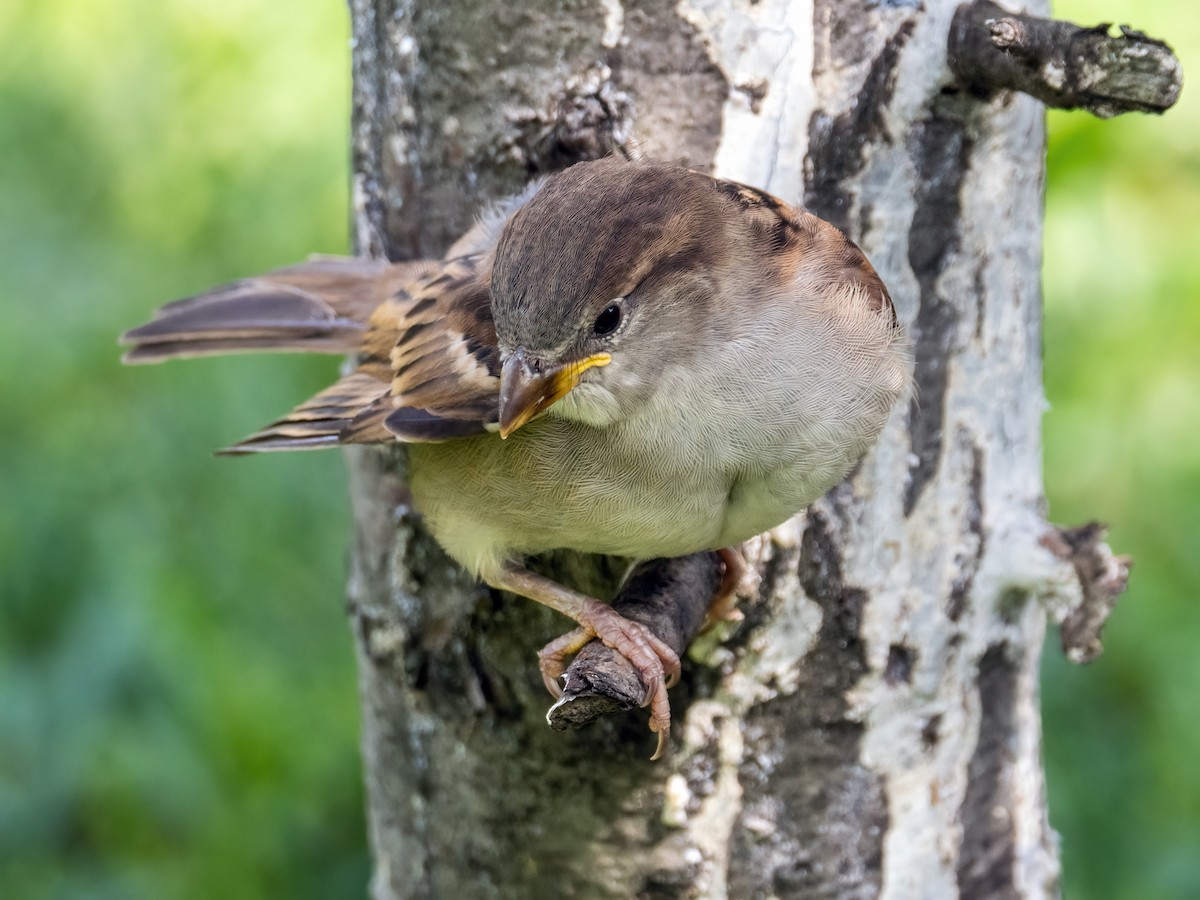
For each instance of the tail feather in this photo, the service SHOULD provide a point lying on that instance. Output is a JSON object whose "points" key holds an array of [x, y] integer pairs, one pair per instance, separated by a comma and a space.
{"points": [[159, 351], [317, 306], [327, 419]]}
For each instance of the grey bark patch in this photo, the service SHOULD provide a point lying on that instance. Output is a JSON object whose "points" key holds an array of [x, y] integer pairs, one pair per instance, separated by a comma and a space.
{"points": [[592, 119], [754, 91], [439, 95], [987, 853], [667, 883], [661, 59], [941, 147], [802, 748]]}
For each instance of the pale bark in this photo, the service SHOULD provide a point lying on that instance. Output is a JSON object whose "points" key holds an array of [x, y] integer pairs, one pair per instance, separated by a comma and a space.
{"points": [[872, 728]]}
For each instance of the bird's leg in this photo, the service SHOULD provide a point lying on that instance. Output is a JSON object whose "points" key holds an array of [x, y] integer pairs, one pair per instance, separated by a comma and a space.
{"points": [[656, 663], [724, 603]]}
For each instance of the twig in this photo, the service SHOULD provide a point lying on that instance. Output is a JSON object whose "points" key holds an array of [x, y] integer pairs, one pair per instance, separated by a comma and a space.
{"points": [[1062, 64], [1103, 577]]}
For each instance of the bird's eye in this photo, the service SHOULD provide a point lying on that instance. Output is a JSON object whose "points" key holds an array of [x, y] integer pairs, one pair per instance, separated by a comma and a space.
{"points": [[608, 320]]}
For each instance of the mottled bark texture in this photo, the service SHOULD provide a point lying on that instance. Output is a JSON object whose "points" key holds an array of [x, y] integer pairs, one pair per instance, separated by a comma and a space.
{"points": [[871, 729]]}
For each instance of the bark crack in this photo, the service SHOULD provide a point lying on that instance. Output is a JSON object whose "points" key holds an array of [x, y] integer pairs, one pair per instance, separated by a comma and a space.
{"points": [[987, 852], [836, 848], [942, 150], [838, 147]]}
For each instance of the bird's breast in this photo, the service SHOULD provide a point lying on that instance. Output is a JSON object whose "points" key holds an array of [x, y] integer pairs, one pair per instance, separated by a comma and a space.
{"points": [[558, 484], [720, 453]]}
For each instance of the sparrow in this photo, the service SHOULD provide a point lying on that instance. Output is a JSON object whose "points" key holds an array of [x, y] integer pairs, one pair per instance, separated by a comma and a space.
{"points": [[627, 358]]}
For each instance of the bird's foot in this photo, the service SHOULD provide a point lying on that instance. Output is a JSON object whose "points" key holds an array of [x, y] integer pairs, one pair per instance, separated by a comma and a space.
{"points": [[656, 663], [724, 603]]}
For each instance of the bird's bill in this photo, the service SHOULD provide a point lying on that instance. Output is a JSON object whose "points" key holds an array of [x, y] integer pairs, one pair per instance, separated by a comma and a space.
{"points": [[527, 389]]}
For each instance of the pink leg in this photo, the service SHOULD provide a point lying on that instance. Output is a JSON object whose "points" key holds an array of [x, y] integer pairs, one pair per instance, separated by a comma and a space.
{"points": [[724, 604]]}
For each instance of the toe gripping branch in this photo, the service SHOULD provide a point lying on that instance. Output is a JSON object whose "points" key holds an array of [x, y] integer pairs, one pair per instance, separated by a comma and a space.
{"points": [[671, 597]]}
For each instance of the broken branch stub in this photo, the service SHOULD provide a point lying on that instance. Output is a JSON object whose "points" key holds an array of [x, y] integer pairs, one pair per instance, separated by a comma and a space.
{"points": [[1103, 577], [1062, 64]]}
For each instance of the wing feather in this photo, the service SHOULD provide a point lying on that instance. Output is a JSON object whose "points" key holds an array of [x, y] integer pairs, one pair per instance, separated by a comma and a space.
{"points": [[428, 371], [319, 421], [445, 363], [429, 367], [322, 305]]}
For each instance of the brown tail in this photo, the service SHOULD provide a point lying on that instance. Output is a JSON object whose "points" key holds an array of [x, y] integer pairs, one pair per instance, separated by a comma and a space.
{"points": [[318, 306]]}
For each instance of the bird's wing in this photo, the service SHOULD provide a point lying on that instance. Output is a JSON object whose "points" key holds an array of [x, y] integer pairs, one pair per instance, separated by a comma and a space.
{"points": [[429, 368], [444, 362], [321, 306], [318, 423], [428, 371]]}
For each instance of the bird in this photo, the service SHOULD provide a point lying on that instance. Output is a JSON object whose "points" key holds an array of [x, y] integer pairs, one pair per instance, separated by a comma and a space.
{"points": [[629, 358]]}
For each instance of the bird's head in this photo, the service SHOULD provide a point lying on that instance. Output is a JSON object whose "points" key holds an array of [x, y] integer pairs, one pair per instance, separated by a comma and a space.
{"points": [[601, 281]]}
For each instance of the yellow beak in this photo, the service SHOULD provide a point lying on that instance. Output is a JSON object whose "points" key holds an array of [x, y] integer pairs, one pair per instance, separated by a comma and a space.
{"points": [[528, 386]]}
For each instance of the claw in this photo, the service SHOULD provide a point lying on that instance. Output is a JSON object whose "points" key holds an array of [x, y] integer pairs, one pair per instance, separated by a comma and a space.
{"points": [[552, 658], [660, 714], [656, 662], [653, 683], [664, 740], [552, 684]]}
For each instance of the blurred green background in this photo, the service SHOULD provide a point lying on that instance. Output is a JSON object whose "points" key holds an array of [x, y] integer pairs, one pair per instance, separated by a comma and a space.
{"points": [[178, 714], [1122, 439]]}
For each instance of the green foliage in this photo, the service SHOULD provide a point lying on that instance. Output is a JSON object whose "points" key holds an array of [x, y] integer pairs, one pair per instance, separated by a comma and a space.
{"points": [[1122, 356], [177, 690], [177, 699]]}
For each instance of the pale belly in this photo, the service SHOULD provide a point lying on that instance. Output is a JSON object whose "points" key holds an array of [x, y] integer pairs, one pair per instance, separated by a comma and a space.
{"points": [[552, 486]]}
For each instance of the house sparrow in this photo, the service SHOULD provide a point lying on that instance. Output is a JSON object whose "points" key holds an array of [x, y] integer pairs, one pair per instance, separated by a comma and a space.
{"points": [[631, 359]]}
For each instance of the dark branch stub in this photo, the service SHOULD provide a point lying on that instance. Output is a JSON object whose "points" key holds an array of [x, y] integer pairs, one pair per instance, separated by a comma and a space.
{"points": [[671, 597], [1062, 64]]}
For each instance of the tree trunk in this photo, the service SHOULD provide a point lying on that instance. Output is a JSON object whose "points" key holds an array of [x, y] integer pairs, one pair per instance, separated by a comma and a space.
{"points": [[872, 727]]}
